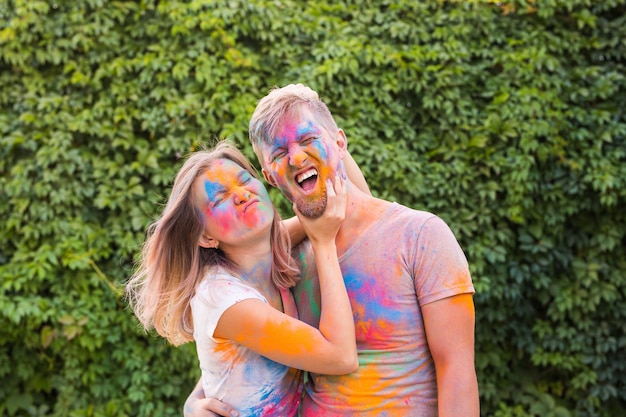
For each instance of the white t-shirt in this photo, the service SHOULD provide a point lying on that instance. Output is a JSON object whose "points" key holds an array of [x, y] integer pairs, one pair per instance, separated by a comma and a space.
{"points": [[251, 383]]}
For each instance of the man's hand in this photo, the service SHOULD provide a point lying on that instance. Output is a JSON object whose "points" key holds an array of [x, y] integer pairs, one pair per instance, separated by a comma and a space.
{"points": [[209, 407], [199, 406]]}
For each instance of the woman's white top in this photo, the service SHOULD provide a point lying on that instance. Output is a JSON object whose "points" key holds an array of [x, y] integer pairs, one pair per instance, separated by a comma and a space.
{"points": [[251, 383]]}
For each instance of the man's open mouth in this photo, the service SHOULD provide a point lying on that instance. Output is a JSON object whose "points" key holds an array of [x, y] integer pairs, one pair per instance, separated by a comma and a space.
{"points": [[307, 179]]}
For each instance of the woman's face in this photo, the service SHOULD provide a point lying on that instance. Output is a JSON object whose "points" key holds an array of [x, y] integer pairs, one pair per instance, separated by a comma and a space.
{"points": [[235, 205]]}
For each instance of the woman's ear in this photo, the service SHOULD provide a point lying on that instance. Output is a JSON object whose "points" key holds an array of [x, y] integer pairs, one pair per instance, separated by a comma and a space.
{"points": [[208, 242]]}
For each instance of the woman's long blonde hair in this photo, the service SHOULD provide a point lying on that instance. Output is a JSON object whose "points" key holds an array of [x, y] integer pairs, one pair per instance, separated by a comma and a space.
{"points": [[172, 263]]}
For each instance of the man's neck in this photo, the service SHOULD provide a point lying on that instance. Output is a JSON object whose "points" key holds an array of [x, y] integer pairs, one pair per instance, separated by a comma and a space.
{"points": [[362, 212]]}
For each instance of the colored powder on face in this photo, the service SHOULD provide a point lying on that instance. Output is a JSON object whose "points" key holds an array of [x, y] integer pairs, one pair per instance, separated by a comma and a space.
{"points": [[308, 128], [211, 189], [224, 213], [222, 184]]}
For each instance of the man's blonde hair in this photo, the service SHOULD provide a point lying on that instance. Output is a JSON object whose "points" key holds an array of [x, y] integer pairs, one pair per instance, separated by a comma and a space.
{"points": [[281, 103]]}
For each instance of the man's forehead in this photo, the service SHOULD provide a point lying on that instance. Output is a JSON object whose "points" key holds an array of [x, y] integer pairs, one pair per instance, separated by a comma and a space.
{"points": [[295, 126]]}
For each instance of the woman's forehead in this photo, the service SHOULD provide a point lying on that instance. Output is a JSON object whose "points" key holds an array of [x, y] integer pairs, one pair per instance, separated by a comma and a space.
{"points": [[223, 168]]}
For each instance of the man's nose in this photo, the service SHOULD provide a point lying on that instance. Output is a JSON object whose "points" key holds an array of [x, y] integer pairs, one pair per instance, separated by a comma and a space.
{"points": [[296, 156]]}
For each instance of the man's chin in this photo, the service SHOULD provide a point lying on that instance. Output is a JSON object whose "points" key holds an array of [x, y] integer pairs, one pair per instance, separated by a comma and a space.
{"points": [[311, 209]]}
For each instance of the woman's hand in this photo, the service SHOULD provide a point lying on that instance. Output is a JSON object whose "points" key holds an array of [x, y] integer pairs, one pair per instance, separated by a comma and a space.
{"points": [[325, 227]]}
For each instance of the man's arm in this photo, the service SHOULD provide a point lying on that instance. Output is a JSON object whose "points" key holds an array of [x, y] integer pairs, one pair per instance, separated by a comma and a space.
{"points": [[197, 405], [450, 332], [355, 174]]}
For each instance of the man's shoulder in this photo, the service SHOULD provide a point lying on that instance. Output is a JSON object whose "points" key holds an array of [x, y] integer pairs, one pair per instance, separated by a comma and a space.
{"points": [[302, 252], [379, 210], [399, 213]]}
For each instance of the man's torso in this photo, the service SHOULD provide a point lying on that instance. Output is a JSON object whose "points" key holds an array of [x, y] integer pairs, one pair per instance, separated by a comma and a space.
{"points": [[386, 269]]}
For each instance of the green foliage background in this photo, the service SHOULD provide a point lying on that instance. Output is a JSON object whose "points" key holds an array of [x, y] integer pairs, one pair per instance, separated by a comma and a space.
{"points": [[507, 119]]}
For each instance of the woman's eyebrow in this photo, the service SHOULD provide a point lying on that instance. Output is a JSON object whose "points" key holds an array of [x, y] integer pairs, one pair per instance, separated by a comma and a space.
{"points": [[242, 175], [213, 188]]}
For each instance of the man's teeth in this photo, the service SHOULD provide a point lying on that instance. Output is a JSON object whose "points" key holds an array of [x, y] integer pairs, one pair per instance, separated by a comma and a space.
{"points": [[305, 175]]}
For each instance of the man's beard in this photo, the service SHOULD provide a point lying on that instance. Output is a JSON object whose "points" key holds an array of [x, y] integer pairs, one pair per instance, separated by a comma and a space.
{"points": [[312, 207]]}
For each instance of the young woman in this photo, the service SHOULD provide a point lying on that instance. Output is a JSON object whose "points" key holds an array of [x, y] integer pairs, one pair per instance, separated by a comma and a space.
{"points": [[216, 270]]}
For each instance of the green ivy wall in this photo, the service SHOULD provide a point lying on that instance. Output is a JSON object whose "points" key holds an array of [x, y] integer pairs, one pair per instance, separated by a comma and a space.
{"points": [[507, 119]]}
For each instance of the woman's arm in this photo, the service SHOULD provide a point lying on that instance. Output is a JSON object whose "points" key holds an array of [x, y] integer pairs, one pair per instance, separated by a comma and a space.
{"points": [[331, 349], [333, 345]]}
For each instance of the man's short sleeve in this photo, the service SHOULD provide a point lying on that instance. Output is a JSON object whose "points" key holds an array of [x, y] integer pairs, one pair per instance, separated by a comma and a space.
{"points": [[441, 266]]}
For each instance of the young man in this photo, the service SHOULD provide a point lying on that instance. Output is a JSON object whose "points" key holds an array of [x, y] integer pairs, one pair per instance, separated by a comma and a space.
{"points": [[406, 276]]}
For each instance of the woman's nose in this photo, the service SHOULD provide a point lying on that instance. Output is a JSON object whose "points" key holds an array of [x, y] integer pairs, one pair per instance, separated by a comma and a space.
{"points": [[242, 196]]}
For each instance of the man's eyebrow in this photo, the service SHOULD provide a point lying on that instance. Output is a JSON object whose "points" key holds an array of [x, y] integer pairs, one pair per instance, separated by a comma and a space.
{"points": [[308, 129], [278, 148]]}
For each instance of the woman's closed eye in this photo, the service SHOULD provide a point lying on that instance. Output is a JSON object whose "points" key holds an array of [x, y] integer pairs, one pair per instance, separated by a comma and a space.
{"points": [[245, 179], [219, 197]]}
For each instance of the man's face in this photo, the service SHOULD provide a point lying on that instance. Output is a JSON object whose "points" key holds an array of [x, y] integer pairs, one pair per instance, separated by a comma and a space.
{"points": [[300, 159]]}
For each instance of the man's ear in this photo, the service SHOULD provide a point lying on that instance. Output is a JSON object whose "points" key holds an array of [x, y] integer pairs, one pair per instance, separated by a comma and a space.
{"points": [[268, 177], [208, 242], [342, 143]]}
